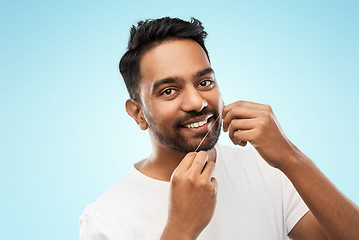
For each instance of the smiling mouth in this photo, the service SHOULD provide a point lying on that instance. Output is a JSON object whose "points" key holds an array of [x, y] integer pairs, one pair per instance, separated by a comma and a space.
{"points": [[196, 124]]}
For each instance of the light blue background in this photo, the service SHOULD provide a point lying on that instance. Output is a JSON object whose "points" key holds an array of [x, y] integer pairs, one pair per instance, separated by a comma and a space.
{"points": [[65, 136]]}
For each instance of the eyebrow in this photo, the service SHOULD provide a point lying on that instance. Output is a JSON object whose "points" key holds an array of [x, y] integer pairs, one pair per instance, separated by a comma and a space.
{"points": [[204, 72]]}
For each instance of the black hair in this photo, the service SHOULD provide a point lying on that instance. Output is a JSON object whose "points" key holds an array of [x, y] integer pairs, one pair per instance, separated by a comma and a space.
{"points": [[149, 34]]}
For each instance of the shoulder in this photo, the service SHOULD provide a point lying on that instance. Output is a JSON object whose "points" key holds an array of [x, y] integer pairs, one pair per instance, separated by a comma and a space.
{"points": [[127, 197], [123, 209], [111, 199], [98, 219]]}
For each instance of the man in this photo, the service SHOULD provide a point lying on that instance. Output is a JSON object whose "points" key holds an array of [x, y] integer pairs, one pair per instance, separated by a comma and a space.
{"points": [[219, 192]]}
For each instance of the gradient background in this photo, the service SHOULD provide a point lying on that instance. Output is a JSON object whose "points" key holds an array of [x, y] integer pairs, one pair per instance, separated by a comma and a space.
{"points": [[66, 138]]}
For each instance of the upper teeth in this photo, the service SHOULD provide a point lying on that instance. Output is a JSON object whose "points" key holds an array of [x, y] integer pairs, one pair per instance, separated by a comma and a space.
{"points": [[197, 124]]}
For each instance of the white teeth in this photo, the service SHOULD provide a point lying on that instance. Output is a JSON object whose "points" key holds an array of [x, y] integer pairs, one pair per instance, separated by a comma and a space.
{"points": [[197, 124]]}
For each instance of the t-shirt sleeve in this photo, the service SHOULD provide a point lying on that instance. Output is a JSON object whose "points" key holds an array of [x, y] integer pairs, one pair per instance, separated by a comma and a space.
{"points": [[92, 229], [294, 207], [96, 228]]}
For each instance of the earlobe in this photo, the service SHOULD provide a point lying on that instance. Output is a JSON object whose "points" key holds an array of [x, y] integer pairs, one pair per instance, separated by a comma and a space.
{"points": [[134, 109]]}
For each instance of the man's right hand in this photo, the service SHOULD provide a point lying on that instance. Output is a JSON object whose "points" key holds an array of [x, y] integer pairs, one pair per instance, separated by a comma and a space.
{"points": [[192, 197]]}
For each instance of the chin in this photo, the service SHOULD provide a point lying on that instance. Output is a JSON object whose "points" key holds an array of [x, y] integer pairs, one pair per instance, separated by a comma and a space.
{"points": [[205, 146]]}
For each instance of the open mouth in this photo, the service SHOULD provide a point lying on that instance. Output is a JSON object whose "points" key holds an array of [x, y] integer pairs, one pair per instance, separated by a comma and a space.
{"points": [[196, 124]]}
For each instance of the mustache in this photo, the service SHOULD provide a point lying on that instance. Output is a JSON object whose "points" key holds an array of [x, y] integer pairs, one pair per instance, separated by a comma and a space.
{"points": [[193, 114]]}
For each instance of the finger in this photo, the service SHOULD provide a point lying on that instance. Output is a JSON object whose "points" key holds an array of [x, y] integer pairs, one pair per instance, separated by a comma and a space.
{"points": [[247, 104], [198, 163], [227, 108], [208, 170], [186, 163], [242, 135], [241, 124], [259, 106], [239, 113]]}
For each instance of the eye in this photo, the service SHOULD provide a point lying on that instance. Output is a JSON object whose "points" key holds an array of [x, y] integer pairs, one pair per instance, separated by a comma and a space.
{"points": [[206, 83], [168, 92]]}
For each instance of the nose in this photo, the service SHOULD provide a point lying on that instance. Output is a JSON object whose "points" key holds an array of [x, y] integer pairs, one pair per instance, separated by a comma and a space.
{"points": [[193, 101]]}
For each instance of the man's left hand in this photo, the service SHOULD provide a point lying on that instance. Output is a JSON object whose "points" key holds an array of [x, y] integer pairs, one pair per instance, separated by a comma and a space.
{"points": [[256, 123]]}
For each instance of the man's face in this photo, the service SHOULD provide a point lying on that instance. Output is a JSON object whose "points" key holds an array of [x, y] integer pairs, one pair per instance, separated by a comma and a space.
{"points": [[180, 97]]}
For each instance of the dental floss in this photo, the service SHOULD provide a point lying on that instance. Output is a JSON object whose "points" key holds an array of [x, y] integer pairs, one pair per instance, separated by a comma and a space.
{"points": [[207, 133]]}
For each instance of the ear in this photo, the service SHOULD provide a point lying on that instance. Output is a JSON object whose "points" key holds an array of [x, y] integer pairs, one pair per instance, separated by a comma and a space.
{"points": [[134, 109]]}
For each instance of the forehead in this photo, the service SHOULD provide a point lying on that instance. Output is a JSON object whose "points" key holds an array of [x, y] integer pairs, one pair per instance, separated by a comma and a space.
{"points": [[173, 58]]}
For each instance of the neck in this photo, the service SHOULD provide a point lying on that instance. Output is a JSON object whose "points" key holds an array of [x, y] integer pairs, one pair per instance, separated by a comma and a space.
{"points": [[163, 161]]}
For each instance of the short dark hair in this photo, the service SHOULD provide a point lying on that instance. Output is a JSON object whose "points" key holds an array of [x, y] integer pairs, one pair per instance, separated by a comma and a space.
{"points": [[149, 34]]}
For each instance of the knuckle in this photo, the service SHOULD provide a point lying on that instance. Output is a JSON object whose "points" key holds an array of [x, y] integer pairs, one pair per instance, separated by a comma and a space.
{"points": [[210, 164], [202, 183], [267, 115], [175, 179], [191, 180], [265, 119], [262, 122], [256, 134], [268, 107]]}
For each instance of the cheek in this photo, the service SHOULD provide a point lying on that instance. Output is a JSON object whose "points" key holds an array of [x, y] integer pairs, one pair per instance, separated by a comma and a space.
{"points": [[215, 100], [165, 112]]}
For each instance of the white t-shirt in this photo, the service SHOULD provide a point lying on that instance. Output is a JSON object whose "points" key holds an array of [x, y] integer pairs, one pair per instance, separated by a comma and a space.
{"points": [[254, 201]]}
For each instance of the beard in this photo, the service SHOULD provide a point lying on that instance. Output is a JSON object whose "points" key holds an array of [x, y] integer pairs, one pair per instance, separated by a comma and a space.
{"points": [[171, 137]]}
